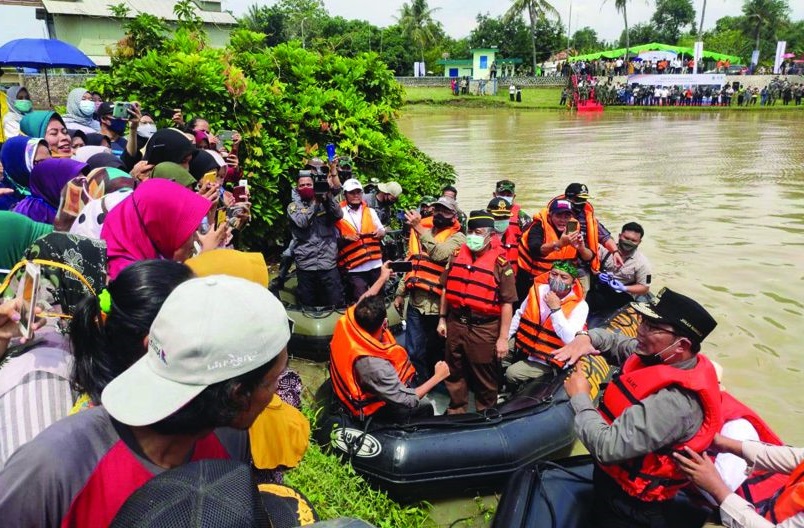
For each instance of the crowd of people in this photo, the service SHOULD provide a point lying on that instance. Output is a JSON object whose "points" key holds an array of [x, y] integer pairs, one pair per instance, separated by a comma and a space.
{"points": [[150, 345]]}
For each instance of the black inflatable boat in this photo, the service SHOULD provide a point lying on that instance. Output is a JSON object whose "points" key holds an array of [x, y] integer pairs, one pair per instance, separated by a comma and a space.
{"points": [[560, 495], [457, 455]]}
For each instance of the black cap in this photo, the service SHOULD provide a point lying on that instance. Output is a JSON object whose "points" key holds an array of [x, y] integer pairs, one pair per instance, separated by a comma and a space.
{"points": [[499, 209], [685, 315], [79, 133], [210, 492], [480, 218], [105, 109], [577, 191]]}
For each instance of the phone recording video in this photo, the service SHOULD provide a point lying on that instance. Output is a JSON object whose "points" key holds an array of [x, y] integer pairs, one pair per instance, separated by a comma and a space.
{"points": [[27, 293], [120, 110], [572, 226], [401, 266]]}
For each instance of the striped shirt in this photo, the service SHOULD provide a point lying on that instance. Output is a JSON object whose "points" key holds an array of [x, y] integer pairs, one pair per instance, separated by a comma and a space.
{"points": [[39, 399]]}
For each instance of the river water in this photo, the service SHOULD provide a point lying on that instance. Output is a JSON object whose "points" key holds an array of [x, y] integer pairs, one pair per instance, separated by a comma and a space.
{"points": [[720, 196]]}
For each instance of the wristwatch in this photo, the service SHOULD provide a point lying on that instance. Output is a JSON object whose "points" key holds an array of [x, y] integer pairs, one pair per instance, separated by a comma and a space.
{"points": [[582, 332]]}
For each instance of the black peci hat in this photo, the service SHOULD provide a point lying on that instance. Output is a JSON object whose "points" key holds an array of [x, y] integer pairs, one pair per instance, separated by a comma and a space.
{"points": [[689, 318]]}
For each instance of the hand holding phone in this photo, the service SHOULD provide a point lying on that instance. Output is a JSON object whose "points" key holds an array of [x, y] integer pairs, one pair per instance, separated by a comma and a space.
{"points": [[27, 292], [121, 110], [240, 193], [572, 226], [401, 266]]}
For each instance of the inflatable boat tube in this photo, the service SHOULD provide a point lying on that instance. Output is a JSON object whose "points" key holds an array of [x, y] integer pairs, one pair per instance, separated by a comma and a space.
{"points": [[314, 324], [458, 454], [561, 494]]}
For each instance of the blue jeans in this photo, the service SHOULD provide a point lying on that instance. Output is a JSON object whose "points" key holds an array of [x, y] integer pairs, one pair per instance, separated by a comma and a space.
{"points": [[425, 347]]}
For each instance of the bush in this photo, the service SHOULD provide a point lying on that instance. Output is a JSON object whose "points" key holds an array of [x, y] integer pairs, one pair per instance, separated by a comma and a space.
{"points": [[288, 103]]}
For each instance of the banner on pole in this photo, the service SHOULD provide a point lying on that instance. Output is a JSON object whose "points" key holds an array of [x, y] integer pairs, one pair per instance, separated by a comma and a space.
{"points": [[651, 79], [698, 53], [780, 49], [755, 57]]}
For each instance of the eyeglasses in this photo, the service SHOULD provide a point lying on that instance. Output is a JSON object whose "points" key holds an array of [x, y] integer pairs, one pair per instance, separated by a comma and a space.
{"points": [[652, 328]]}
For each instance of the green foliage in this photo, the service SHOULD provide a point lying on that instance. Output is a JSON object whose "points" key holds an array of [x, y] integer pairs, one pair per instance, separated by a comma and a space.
{"points": [[640, 34], [585, 40], [288, 103], [510, 34], [335, 490], [670, 17]]}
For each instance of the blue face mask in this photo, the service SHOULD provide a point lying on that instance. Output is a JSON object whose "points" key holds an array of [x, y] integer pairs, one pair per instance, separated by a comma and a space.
{"points": [[118, 126]]}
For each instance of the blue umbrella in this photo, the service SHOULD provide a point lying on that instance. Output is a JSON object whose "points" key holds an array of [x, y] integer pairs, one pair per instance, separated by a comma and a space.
{"points": [[43, 54]]}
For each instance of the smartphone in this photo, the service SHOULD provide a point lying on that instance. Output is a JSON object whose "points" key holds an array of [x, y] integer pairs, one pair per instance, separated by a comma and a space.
{"points": [[27, 292], [401, 266], [208, 178], [572, 226], [220, 217], [330, 151], [225, 135], [240, 193], [120, 110]]}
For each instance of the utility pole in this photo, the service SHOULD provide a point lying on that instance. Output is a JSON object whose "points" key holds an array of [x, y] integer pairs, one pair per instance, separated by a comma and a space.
{"points": [[569, 23]]}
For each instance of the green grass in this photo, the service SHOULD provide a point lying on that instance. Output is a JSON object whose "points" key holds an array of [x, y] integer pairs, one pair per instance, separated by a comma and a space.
{"points": [[548, 98]]}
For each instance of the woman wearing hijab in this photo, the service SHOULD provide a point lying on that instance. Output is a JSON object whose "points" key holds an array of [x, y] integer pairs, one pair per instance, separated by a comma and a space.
{"points": [[90, 221], [169, 144], [167, 170], [17, 232], [80, 109], [105, 159], [48, 125], [18, 102], [35, 378], [81, 190], [158, 220], [47, 180], [86, 152], [19, 155], [78, 139], [95, 139]]}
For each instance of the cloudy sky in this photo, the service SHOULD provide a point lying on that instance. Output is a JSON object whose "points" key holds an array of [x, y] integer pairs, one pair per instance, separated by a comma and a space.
{"points": [[457, 16]]}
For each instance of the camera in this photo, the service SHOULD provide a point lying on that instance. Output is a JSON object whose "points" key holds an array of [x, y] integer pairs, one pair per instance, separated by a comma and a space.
{"points": [[319, 171]]}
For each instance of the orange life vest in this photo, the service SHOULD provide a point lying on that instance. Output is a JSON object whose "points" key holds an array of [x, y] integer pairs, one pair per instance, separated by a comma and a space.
{"points": [[542, 263], [365, 248], [349, 343], [790, 501], [539, 340], [426, 274], [655, 476], [592, 232], [761, 486], [471, 282]]}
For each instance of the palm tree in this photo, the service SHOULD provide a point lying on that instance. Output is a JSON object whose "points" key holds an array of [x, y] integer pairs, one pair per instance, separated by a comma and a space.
{"points": [[765, 15], [537, 10], [621, 5], [416, 21], [700, 27]]}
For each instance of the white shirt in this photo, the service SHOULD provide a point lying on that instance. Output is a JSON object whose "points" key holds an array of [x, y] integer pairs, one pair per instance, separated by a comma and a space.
{"points": [[355, 217], [565, 328]]}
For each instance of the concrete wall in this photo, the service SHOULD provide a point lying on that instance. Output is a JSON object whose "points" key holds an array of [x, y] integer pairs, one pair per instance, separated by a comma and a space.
{"points": [[60, 86]]}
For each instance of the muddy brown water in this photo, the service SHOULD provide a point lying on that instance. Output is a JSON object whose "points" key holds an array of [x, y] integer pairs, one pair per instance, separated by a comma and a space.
{"points": [[721, 198]]}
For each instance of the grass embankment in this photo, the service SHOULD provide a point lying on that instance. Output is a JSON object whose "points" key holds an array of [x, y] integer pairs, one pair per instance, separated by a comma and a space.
{"points": [[548, 98]]}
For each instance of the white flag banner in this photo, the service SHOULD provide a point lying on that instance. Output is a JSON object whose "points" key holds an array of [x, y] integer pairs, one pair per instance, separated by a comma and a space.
{"points": [[755, 57], [780, 49], [698, 53]]}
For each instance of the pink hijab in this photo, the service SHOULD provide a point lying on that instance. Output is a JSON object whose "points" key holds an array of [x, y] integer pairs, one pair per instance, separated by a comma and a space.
{"points": [[155, 221]]}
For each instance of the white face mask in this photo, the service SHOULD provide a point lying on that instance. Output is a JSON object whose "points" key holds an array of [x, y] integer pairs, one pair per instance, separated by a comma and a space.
{"points": [[86, 107], [509, 199], [146, 130]]}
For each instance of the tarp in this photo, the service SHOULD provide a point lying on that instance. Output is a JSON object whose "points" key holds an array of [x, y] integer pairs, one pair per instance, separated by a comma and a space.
{"points": [[653, 46], [707, 79]]}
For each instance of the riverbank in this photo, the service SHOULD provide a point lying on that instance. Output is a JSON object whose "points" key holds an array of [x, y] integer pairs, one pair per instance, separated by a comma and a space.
{"points": [[548, 98]]}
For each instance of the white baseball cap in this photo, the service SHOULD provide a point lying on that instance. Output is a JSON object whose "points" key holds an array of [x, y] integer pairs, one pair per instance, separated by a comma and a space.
{"points": [[351, 185], [391, 187], [209, 329]]}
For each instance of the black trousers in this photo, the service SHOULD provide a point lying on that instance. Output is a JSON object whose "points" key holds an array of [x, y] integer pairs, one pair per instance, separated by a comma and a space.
{"points": [[319, 288], [358, 283], [614, 508]]}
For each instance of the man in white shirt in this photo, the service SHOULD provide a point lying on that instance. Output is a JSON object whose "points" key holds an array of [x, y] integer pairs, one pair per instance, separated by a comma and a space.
{"points": [[360, 252], [549, 317]]}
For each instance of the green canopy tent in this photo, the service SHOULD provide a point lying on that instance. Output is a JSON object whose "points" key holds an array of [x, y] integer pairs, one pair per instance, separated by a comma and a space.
{"points": [[653, 46]]}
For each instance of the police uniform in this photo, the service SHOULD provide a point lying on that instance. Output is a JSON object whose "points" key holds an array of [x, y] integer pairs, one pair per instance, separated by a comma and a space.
{"points": [[476, 286]]}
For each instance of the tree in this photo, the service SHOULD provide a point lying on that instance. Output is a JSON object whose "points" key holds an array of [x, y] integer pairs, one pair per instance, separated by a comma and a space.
{"points": [[270, 21], [622, 7], [416, 20], [765, 16], [585, 40], [670, 17], [537, 10], [639, 34], [512, 36]]}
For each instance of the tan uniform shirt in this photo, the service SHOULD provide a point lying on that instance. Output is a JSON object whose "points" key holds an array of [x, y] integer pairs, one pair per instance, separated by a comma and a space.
{"points": [[736, 512]]}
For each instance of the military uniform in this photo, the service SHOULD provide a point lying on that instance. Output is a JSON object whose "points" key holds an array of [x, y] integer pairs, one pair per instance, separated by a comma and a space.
{"points": [[472, 333]]}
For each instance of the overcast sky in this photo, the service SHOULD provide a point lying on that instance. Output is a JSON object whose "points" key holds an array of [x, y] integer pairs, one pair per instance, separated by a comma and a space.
{"points": [[457, 16]]}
